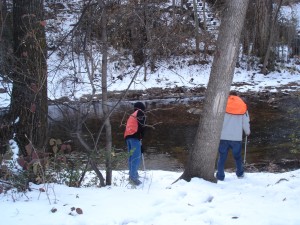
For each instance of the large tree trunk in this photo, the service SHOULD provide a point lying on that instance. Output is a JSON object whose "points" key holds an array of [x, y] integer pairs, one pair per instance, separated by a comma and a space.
{"points": [[29, 95], [5, 39], [137, 33], [271, 38], [202, 158], [263, 20]]}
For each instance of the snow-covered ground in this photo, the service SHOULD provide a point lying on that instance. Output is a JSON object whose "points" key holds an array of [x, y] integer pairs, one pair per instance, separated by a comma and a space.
{"points": [[259, 198]]}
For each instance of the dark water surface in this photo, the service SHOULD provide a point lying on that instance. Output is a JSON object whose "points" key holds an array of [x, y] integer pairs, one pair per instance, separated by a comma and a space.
{"points": [[275, 130]]}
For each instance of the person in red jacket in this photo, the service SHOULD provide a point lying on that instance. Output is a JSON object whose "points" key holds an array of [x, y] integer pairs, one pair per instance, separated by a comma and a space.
{"points": [[133, 136]]}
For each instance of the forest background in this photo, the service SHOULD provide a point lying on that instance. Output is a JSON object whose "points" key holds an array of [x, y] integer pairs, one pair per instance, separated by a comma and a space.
{"points": [[70, 52]]}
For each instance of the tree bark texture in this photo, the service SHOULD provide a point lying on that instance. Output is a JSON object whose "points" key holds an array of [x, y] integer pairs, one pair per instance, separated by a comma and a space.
{"points": [[202, 158], [263, 19], [137, 34], [271, 38], [29, 105], [5, 40]]}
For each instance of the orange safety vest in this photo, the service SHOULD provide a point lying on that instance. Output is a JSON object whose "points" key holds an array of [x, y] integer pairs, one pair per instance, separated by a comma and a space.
{"points": [[131, 125], [235, 105]]}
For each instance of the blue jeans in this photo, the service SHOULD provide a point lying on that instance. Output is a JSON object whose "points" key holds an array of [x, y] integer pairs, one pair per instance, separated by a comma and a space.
{"points": [[134, 159], [224, 147]]}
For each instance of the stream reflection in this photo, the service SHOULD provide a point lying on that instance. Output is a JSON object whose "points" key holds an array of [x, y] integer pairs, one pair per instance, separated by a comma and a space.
{"points": [[275, 132]]}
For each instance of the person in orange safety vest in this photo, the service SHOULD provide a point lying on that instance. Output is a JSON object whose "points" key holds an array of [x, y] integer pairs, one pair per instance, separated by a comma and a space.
{"points": [[236, 121], [133, 136]]}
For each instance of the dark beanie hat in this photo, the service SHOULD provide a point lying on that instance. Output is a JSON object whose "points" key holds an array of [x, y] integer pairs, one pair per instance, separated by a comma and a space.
{"points": [[139, 105]]}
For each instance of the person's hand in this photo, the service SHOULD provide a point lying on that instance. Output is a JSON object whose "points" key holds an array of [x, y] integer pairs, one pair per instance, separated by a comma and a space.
{"points": [[247, 139]]}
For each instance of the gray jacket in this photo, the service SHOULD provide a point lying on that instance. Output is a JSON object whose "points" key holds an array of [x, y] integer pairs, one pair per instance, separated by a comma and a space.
{"points": [[234, 125]]}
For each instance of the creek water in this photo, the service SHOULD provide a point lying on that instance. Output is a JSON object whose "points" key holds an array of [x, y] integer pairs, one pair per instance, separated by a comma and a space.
{"points": [[172, 125]]}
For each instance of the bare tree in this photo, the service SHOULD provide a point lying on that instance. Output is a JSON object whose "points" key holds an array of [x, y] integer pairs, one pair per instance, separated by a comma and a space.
{"points": [[271, 38], [201, 160], [263, 19], [196, 18], [108, 138]]}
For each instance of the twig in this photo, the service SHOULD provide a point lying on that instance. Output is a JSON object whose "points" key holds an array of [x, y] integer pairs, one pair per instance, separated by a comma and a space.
{"points": [[6, 182]]}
